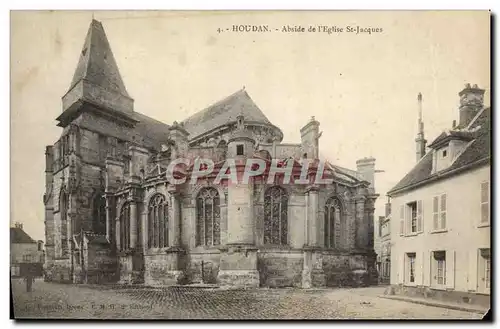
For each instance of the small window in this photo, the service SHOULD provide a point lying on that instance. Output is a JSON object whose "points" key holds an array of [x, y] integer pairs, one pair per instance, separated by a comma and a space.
{"points": [[440, 267], [239, 150], [412, 208], [445, 153]]}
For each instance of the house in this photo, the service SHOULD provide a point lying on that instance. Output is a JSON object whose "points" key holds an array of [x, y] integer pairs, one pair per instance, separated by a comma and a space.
{"points": [[26, 255], [383, 245], [440, 227]]}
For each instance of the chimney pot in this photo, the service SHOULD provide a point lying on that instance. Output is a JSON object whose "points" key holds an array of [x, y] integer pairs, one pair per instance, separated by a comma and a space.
{"points": [[475, 86], [467, 85], [454, 123]]}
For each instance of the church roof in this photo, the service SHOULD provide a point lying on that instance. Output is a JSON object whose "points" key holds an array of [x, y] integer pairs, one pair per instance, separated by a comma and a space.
{"points": [[97, 63], [477, 152], [17, 235], [224, 112], [153, 132]]}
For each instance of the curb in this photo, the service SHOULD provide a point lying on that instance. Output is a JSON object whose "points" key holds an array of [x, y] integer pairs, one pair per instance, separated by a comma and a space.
{"points": [[436, 304]]}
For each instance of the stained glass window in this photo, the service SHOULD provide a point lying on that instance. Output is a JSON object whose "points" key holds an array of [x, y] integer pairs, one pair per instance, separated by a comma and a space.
{"points": [[208, 217], [333, 222], [158, 222], [275, 216], [125, 227]]}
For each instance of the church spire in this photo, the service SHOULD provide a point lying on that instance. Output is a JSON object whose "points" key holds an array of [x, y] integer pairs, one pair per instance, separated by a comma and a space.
{"points": [[97, 79], [420, 140], [97, 63]]}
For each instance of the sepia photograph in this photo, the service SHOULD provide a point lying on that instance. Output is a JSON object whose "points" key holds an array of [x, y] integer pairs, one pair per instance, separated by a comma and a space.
{"points": [[250, 165]]}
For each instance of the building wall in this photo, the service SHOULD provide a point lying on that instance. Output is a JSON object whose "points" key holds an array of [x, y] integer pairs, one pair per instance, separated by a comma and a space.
{"points": [[462, 238], [25, 253]]}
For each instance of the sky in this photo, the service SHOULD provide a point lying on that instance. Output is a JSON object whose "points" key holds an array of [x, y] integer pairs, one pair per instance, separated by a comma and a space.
{"points": [[362, 88]]}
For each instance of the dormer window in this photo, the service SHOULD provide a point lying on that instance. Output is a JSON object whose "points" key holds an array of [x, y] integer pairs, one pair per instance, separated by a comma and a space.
{"points": [[444, 153]]}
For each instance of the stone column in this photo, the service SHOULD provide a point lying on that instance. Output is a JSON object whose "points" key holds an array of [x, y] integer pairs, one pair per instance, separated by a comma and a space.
{"points": [[361, 231], [145, 232], [312, 272], [109, 218], [174, 232], [312, 215], [238, 264], [117, 233], [133, 224]]}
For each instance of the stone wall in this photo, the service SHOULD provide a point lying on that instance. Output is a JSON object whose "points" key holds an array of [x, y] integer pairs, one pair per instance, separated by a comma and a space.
{"points": [[203, 267], [460, 297], [280, 268]]}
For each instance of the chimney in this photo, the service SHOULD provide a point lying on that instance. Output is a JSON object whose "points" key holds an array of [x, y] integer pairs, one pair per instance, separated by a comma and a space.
{"points": [[18, 225], [420, 140], [471, 101], [454, 124], [366, 168], [388, 208]]}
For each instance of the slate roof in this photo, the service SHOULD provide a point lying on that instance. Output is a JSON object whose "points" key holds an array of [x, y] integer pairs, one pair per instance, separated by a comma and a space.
{"points": [[154, 132], [97, 63], [17, 235], [477, 151], [224, 112]]}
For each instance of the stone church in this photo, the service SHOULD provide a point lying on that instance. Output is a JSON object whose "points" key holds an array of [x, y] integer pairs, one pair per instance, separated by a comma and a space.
{"points": [[111, 215]]}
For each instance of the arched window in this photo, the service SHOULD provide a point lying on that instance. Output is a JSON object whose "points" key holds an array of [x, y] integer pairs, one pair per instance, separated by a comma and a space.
{"points": [[158, 222], [334, 223], [125, 226], [276, 216], [98, 214], [208, 217], [63, 211]]}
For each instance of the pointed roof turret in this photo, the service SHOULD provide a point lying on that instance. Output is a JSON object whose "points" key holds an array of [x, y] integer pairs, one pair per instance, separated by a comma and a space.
{"points": [[97, 80]]}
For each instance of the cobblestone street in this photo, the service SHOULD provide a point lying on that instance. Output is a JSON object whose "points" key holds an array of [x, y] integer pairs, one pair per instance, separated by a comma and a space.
{"points": [[52, 300]]}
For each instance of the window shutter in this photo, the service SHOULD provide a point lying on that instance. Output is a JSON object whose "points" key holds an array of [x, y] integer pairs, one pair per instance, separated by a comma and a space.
{"points": [[419, 267], [450, 269], [443, 211], [472, 270], [485, 196], [401, 272], [435, 212], [419, 216], [402, 220], [426, 269]]}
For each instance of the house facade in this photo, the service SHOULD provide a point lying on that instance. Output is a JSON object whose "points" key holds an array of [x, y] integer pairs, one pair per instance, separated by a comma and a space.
{"points": [[383, 245], [440, 228], [113, 214], [27, 256]]}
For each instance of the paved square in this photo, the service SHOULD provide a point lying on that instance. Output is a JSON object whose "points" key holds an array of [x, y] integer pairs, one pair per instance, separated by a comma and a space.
{"points": [[53, 300]]}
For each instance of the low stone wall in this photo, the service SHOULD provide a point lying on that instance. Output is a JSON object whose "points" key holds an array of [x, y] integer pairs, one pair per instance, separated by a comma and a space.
{"points": [[280, 268], [162, 269], [461, 297], [203, 266]]}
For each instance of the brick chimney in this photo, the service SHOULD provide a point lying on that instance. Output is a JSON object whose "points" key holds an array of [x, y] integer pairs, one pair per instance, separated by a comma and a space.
{"points": [[471, 102]]}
